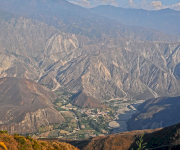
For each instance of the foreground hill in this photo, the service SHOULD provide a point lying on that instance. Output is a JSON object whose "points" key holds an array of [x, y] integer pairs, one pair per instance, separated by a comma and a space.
{"points": [[17, 142], [25, 106], [166, 138], [156, 113]]}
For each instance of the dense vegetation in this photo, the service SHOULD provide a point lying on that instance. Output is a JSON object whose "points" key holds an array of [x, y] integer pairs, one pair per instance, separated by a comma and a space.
{"points": [[18, 142]]}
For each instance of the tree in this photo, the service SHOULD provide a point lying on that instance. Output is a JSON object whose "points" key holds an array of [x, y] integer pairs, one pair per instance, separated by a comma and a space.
{"points": [[140, 143]]}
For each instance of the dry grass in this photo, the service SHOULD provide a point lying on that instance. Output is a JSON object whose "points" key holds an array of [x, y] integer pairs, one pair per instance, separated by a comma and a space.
{"points": [[18, 142]]}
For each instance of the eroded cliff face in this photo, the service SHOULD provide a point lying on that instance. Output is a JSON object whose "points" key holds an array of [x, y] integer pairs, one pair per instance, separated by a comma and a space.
{"points": [[103, 69], [129, 68], [25, 106], [30, 122], [29, 47]]}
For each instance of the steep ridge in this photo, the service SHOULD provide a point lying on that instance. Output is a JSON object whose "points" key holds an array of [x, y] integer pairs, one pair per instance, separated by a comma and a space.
{"points": [[74, 19], [25, 106], [27, 37], [156, 113], [165, 20], [166, 138], [27, 47], [125, 68]]}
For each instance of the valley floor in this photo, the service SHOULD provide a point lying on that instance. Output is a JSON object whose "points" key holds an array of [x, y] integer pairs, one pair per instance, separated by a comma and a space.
{"points": [[83, 123], [123, 114]]}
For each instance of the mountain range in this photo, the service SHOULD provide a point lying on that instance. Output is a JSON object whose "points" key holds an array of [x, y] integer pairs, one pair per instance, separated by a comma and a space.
{"points": [[165, 20], [77, 20], [103, 69], [97, 58]]}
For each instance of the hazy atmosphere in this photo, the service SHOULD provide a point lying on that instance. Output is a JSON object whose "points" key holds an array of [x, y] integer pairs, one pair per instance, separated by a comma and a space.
{"points": [[143, 4], [89, 75]]}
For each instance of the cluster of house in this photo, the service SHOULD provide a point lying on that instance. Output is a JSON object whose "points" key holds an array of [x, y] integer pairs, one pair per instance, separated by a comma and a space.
{"points": [[93, 112]]}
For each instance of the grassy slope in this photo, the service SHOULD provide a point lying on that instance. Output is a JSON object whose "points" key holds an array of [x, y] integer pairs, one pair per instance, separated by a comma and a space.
{"points": [[17, 142]]}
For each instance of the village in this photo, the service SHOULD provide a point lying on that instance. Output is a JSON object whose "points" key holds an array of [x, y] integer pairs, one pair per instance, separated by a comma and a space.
{"points": [[80, 123]]}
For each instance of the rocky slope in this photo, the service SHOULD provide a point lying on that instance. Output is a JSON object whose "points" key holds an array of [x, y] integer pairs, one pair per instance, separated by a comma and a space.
{"points": [[106, 69], [126, 68], [27, 47], [25, 106], [102, 69], [156, 113]]}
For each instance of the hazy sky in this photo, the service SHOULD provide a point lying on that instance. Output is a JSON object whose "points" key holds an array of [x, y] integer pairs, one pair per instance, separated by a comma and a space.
{"points": [[145, 4]]}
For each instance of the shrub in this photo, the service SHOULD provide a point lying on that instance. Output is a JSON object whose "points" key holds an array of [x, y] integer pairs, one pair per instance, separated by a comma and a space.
{"points": [[36, 146], [29, 138], [16, 134], [56, 146], [20, 140], [43, 143], [7, 139], [4, 132]]}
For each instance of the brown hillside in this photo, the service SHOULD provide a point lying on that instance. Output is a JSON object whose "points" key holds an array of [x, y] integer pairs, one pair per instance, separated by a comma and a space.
{"points": [[83, 100], [166, 138], [25, 106]]}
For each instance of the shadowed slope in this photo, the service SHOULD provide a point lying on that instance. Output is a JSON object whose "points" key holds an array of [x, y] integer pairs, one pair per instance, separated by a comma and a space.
{"points": [[167, 138], [156, 113]]}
